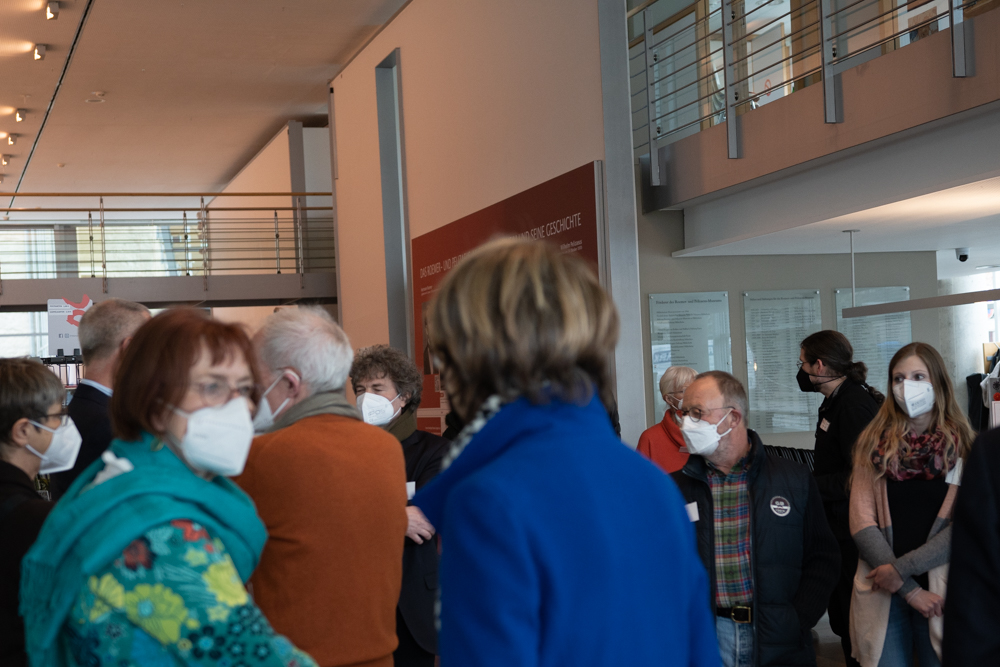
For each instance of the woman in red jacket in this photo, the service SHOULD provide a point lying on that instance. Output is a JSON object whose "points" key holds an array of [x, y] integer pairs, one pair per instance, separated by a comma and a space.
{"points": [[663, 444]]}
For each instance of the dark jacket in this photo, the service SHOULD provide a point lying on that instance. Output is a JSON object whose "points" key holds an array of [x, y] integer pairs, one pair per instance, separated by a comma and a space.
{"points": [[89, 411], [842, 417], [795, 557], [972, 621], [22, 513], [423, 452]]}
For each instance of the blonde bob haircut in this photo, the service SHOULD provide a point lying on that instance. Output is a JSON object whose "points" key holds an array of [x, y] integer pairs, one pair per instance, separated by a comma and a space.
{"points": [[891, 423], [519, 318]]}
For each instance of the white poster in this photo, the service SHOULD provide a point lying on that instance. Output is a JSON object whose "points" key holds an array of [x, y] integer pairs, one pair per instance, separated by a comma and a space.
{"points": [[64, 325], [689, 329], [776, 324], [875, 338]]}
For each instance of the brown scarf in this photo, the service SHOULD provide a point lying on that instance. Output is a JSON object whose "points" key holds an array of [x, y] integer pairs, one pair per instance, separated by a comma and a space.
{"points": [[403, 426], [919, 457]]}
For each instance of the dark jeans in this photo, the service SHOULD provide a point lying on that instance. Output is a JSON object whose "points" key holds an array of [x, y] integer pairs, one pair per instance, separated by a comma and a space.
{"points": [[409, 653], [839, 608]]}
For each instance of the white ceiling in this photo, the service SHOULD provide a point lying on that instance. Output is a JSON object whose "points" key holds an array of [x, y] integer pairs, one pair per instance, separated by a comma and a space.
{"points": [[965, 216], [193, 89]]}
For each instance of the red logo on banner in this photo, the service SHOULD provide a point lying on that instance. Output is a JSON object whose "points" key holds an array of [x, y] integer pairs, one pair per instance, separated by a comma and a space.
{"points": [[78, 310]]}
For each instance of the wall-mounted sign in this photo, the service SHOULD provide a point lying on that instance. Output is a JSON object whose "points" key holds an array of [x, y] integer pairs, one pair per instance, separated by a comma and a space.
{"points": [[563, 211], [689, 329], [875, 338], [776, 324]]}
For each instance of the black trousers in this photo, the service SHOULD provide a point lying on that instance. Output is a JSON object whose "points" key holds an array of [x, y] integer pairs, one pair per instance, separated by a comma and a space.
{"points": [[839, 608], [409, 653]]}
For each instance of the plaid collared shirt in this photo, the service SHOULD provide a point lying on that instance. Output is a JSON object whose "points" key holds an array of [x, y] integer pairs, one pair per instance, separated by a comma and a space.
{"points": [[731, 518]]}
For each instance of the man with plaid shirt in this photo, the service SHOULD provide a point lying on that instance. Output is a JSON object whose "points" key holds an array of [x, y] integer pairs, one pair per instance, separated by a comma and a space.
{"points": [[762, 532]]}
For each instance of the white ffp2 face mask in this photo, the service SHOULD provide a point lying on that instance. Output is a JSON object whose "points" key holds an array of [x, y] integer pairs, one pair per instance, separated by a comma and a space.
{"points": [[63, 449], [376, 410], [265, 417], [913, 397], [702, 436], [218, 439]]}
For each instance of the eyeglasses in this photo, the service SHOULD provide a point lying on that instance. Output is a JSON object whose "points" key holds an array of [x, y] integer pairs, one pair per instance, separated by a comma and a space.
{"points": [[216, 393], [798, 364], [62, 415], [699, 414]]}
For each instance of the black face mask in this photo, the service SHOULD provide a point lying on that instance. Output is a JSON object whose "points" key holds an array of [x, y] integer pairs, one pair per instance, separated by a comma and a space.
{"points": [[805, 384]]}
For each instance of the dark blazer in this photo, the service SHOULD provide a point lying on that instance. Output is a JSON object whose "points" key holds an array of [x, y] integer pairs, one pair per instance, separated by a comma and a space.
{"points": [[795, 558], [89, 410], [972, 621], [22, 513], [423, 453]]}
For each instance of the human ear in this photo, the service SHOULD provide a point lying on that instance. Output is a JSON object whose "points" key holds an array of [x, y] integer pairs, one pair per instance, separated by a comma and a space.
{"points": [[20, 432]]}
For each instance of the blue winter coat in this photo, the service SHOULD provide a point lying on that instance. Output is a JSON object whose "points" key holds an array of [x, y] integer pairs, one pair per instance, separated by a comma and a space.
{"points": [[561, 546]]}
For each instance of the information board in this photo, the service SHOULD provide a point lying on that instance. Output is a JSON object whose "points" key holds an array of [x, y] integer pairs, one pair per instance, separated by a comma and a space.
{"points": [[776, 324], [563, 211], [64, 324], [875, 338], [688, 329]]}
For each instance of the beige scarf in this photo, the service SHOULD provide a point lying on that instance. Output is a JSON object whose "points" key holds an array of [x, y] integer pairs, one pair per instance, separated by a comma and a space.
{"points": [[324, 403]]}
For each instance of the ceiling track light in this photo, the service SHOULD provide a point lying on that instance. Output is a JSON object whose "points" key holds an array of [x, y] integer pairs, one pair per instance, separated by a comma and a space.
{"points": [[39, 51], [52, 11], [20, 115], [4, 159], [11, 139]]}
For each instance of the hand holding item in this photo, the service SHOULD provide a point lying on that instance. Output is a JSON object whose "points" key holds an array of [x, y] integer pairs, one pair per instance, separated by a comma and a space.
{"points": [[885, 578], [418, 528], [927, 603]]}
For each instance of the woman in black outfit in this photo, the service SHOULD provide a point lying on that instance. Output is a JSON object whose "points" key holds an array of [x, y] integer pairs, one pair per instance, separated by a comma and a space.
{"points": [[826, 365]]}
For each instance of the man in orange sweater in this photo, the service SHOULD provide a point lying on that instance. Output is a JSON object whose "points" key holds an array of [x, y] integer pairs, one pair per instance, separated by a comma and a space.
{"points": [[331, 491]]}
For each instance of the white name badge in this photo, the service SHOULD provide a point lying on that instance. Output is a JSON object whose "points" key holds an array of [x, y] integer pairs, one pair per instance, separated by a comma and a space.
{"points": [[411, 490], [824, 425], [692, 510]]}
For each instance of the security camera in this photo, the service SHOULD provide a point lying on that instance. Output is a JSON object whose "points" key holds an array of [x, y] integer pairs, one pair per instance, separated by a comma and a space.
{"points": [[962, 254]]}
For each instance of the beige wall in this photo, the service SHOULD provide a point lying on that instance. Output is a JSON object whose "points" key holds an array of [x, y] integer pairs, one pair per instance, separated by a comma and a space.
{"points": [[661, 233], [497, 98]]}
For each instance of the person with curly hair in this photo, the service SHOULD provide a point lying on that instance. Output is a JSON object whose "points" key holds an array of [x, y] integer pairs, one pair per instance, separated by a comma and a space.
{"points": [[388, 386]]}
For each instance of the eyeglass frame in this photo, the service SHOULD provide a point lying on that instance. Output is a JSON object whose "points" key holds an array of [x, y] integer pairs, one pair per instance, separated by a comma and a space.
{"points": [[701, 413], [246, 391], [63, 415]]}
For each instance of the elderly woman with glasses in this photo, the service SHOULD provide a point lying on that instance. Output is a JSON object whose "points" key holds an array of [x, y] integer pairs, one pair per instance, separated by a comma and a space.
{"points": [[663, 444], [143, 560], [543, 513]]}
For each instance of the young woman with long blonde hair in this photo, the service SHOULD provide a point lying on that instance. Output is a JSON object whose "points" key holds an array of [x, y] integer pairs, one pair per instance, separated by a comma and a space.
{"points": [[907, 467]]}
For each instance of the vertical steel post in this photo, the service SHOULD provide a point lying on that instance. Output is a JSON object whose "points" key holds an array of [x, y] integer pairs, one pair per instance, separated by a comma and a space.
{"points": [[652, 128], [301, 242], [828, 54], [187, 255], [956, 19], [90, 227], [206, 266], [277, 249], [104, 252], [729, 72]]}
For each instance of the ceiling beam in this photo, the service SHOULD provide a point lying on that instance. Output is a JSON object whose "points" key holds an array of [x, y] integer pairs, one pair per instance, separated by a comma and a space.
{"points": [[945, 301]]}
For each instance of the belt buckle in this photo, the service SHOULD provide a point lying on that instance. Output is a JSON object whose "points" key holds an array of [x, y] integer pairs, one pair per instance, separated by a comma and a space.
{"points": [[741, 614]]}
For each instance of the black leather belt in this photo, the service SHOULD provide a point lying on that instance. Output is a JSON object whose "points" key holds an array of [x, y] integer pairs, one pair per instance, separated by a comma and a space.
{"points": [[738, 614]]}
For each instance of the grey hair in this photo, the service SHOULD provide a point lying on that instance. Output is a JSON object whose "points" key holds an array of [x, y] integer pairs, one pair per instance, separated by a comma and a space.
{"points": [[106, 324], [674, 378], [731, 389], [308, 340], [27, 390]]}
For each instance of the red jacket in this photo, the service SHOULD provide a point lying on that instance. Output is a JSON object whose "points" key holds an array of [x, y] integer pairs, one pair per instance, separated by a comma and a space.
{"points": [[663, 444]]}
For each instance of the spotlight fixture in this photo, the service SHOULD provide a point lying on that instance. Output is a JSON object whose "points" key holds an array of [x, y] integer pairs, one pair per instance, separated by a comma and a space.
{"points": [[39, 52], [1, 177], [52, 11], [20, 115], [4, 159], [11, 139]]}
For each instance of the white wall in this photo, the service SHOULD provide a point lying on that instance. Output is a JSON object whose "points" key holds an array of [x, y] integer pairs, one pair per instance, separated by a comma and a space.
{"points": [[496, 97]]}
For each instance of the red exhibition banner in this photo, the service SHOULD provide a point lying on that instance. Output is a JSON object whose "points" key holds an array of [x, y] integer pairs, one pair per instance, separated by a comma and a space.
{"points": [[562, 211]]}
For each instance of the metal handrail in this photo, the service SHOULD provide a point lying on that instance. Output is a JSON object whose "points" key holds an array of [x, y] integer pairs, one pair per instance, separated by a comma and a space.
{"points": [[694, 43], [677, 71], [800, 55], [168, 194], [866, 22], [686, 85], [778, 41], [772, 22], [885, 40], [783, 83], [673, 111]]}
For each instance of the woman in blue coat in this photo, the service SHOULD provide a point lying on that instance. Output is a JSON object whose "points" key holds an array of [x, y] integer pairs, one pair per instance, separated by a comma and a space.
{"points": [[560, 546]]}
